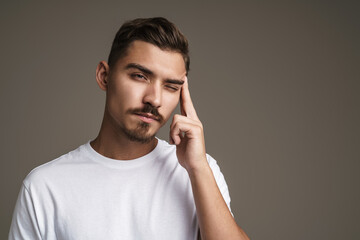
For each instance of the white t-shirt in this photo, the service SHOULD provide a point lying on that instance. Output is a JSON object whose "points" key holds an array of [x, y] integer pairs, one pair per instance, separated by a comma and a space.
{"points": [[84, 195]]}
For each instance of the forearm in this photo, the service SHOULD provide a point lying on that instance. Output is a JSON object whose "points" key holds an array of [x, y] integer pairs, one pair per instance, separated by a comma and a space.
{"points": [[215, 219]]}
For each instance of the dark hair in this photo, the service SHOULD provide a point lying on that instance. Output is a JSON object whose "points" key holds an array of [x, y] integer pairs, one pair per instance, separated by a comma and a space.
{"points": [[158, 31]]}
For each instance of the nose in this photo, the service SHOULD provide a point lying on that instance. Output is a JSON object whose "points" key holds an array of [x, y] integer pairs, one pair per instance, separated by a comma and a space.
{"points": [[153, 95]]}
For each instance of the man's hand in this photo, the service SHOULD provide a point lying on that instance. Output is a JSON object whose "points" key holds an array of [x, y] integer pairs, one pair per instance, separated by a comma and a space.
{"points": [[186, 132]]}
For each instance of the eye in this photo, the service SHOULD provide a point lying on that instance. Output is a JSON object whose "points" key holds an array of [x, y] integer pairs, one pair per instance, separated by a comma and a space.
{"points": [[138, 76], [172, 88]]}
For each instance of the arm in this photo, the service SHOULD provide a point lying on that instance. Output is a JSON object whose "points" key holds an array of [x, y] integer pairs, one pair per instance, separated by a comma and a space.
{"points": [[215, 219], [24, 223]]}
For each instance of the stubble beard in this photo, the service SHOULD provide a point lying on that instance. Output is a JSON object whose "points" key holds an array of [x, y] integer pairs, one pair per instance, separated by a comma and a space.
{"points": [[139, 134]]}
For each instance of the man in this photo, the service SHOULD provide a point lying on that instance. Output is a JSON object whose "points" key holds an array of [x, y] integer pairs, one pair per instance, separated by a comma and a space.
{"points": [[126, 183]]}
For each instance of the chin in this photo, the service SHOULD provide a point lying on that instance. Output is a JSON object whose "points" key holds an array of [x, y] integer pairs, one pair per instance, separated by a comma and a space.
{"points": [[143, 139], [142, 133]]}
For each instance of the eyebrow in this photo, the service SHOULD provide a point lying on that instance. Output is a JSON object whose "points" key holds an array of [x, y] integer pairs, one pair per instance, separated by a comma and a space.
{"points": [[174, 81], [148, 71], [139, 67]]}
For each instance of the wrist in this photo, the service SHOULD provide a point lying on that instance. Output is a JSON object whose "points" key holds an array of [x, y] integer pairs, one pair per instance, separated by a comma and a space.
{"points": [[200, 168]]}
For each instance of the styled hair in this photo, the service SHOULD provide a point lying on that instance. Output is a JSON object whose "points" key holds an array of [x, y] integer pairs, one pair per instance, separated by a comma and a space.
{"points": [[158, 31]]}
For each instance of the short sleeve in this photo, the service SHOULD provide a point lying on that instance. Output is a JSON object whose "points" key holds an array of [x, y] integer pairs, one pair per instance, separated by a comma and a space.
{"points": [[24, 224], [220, 180]]}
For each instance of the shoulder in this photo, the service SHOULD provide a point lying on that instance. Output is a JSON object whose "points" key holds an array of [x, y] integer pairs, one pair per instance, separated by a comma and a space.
{"points": [[218, 175], [44, 172], [220, 180], [213, 165]]}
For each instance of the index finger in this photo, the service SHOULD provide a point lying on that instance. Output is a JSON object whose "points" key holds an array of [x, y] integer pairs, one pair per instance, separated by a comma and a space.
{"points": [[186, 104]]}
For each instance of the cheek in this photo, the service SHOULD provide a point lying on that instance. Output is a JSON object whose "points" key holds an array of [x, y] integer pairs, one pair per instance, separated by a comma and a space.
{"points": [[170, 104], [127, 94]]}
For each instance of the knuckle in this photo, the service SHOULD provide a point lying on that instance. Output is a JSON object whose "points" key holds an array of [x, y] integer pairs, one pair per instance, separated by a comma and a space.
{"points": [[176, 125], [198, 128]]}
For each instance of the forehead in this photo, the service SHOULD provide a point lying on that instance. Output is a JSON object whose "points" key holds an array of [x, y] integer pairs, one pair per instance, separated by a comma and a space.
{"points": [[162, 62]]}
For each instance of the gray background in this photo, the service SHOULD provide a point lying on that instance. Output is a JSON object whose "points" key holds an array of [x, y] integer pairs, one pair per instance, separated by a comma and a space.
{"points": [[276, 85]]}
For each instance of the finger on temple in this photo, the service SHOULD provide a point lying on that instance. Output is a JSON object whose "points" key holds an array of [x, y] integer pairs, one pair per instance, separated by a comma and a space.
{"points": [[186, 105]]}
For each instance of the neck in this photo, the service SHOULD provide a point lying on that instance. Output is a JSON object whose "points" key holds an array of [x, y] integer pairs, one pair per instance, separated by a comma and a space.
{"points": [[114, 144]]}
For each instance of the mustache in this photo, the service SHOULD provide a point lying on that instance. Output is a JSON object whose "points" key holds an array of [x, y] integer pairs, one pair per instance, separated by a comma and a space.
{"points": [[147, 109]]}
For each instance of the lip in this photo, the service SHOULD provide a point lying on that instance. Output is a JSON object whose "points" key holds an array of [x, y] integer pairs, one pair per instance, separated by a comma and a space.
{"points": [[147, 117]]}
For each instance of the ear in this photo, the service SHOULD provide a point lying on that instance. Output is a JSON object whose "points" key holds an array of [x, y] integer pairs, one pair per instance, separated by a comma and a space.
{"points": [[102, 75]]}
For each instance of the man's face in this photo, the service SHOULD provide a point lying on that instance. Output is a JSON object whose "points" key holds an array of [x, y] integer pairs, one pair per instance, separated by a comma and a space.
{"points": [[143, 90]]}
